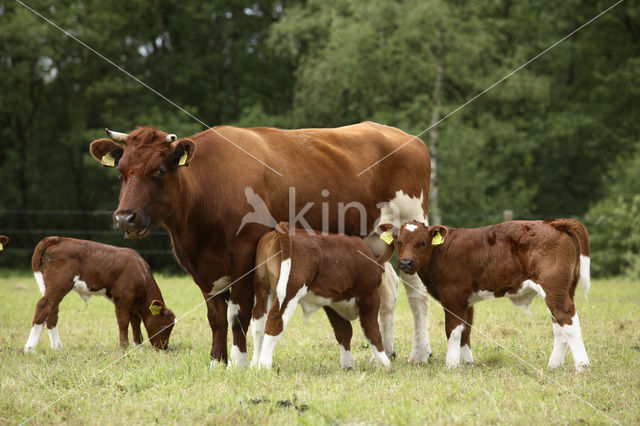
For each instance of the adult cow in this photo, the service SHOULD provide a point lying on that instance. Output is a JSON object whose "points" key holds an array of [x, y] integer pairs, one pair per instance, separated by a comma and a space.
{"points": [[309, 177]]}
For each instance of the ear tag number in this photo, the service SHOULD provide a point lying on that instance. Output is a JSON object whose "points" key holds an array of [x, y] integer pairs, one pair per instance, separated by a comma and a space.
{"points": [[108, 160], [387, 237], [437, 239], [183, 159]]}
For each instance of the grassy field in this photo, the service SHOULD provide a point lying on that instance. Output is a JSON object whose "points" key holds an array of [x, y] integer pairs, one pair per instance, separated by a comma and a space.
{"points": [[90, 381]]}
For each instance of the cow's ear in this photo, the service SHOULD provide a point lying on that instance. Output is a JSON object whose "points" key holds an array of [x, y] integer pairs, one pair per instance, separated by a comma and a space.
{"points": [[156, 307], [437, 233], [389, 227], [182, 152], [106, 151], [4, 239]]}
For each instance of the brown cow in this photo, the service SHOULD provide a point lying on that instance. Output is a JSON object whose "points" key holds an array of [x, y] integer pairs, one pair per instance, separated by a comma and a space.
{"points": [[94, 269], [317, 271], [518, 260], [312, 178], [4, 240]]}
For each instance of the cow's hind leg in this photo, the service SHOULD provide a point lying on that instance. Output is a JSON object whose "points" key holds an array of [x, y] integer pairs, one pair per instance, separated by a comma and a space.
{"points": [[566, 332], [277, 320], [52, 328], [465, 343], [419, 304], [369, 306], [388, 298], [343, 332]]}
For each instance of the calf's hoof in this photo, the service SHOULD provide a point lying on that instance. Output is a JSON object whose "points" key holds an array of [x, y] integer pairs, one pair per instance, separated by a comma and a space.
{"points": [[582, 366], [420, 359], [29, 349]]}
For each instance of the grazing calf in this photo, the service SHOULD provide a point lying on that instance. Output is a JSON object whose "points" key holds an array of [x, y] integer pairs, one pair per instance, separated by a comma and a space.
{"points": [[317, 271], [93, 269], [518, 260], [4, 240]]}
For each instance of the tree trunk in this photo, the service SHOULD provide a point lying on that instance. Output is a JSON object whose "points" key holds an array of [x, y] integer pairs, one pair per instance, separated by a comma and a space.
{"points": [[436, 217]]}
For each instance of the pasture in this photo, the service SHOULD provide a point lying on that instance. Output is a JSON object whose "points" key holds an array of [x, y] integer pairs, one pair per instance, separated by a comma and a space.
{"points": [[93, 382]]}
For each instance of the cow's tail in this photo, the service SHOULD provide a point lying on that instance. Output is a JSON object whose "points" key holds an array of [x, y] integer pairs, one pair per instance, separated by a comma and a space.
{"points": [[38, 260], [284, 238], [579, 235]]}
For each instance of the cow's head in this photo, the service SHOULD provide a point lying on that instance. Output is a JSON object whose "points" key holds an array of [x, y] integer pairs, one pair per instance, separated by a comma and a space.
{"points": [[3, 241], [159, 322], [415, 242], [149, 162]]}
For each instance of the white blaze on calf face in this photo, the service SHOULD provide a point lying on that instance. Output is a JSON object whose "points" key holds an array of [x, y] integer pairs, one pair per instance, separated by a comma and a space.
{"points": [[410, 227], [220, 285], [453, 347], [40, 280]]}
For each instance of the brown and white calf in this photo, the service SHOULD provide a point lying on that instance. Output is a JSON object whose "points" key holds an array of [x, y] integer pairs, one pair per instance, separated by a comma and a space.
{"points": [[4, 240], [518, 260], [327, 271], [94, 269]]}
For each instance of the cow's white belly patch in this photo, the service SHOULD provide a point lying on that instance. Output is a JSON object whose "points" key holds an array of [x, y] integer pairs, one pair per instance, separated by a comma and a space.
{"points": [[347, 309], [403, 208], [479, 296], [524, 297], [82, 289], [219, 285]]}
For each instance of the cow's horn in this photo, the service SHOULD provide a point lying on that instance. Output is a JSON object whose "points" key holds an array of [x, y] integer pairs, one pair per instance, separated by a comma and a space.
{"points": [[116, 136], [171, 138]]}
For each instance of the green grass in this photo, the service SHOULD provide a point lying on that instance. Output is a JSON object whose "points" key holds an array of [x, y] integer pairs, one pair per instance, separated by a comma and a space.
{"points": [[93, 383]]}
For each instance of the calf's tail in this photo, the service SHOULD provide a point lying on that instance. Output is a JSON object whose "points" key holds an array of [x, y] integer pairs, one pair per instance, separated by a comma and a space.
{"points": [[284, 239], [580, 237], [38, 260]]}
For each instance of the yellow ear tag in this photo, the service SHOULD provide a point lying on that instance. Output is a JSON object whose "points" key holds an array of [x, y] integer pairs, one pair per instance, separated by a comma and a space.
{"points": [[1, 248], [387, 237], [155, 309], [437, 240], [183, 159], [108, 160]]}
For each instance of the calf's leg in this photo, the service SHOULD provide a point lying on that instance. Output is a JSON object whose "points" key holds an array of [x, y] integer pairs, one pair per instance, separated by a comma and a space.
{"points": [[277, 320], [46, 307], [369, 306], [343, 332], [566, 332], [454, 327], [465, 343], [264, 301], [135, 329], [52, 328]]}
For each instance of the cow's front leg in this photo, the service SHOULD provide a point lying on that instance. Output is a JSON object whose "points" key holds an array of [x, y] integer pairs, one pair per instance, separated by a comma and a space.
{"points": [[217, 316], [419, 304]]}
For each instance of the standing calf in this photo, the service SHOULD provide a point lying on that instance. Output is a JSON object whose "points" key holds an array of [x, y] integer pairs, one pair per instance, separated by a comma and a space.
{"points": [[518, 260], [317, 271], [93, 269]]}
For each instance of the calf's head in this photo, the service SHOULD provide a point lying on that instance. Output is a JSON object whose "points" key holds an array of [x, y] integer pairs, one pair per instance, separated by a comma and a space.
{"points": [[415, 243], [159, 323], [149, 162]]}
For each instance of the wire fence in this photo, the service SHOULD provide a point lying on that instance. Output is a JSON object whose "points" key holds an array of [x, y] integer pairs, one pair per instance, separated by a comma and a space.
{"points": [[27, 227]]}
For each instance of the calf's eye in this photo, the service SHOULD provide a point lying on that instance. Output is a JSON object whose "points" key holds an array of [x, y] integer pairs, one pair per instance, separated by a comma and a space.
{"points": [[159, 172]]}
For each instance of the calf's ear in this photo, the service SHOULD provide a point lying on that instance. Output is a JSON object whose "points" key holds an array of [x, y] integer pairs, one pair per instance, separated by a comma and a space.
{"points": [[389, 232], [4, 239], [106, 151], [156, 307], [182, 152], [437, 234]]}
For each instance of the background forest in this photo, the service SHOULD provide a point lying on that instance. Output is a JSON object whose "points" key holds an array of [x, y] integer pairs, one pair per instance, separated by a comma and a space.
{"points": [[560, 137]]}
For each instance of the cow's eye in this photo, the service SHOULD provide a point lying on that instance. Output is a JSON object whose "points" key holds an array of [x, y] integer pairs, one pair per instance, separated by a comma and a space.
{"points": [[422, 244], [159, 172]]}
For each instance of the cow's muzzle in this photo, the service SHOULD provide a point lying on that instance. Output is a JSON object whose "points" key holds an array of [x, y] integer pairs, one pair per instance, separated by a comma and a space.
{"points": [[407, 265], [129, 222]]}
